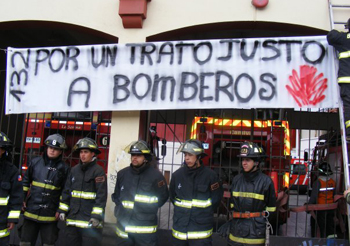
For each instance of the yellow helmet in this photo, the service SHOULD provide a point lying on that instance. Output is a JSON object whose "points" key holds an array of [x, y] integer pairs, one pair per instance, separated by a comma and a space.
{"points": [[87, 143]]}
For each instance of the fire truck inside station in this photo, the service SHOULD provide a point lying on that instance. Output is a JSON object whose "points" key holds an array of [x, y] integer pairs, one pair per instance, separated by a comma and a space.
{"points": [[73, 126]]}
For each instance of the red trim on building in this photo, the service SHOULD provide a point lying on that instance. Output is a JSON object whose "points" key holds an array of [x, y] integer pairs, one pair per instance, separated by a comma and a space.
{"points": [[260, 3], [133, 12]]}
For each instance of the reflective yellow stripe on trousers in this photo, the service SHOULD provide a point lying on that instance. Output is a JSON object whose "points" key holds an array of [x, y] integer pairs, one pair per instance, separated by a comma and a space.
{"points": [[247, 240], [192, 234]]}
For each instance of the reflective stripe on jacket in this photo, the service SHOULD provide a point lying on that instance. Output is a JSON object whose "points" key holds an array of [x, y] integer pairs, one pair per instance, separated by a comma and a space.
{"points": [[195, 193], [138, 194]]}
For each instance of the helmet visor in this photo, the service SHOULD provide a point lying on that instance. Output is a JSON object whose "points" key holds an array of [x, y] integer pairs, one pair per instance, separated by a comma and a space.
{"points": [[191, 148]]}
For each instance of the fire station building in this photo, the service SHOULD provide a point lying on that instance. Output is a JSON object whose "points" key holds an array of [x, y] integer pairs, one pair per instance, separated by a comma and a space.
{"points": [[148, 32]]}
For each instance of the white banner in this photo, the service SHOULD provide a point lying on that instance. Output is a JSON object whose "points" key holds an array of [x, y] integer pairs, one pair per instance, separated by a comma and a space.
{"points": [[289, 72]]}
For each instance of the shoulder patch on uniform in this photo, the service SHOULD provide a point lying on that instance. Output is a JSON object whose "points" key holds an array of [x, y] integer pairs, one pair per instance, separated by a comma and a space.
{"points": [[161, 183], [215, 186], [100, 179]]}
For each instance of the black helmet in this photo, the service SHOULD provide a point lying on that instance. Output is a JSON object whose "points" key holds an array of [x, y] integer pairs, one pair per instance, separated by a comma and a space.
{"points": [[192, 146], [139, 147], [87, 143], [5, 142], [347, 24], [325, 169], [56, 141], [251, 150]]}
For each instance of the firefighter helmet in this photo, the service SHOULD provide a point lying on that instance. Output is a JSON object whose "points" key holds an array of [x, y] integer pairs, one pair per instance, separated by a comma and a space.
{"points": [[56, 141], [139, 147], [87, 143], [193, 147], [347, 24], [251, 150], [325, 169], [5, 142]]}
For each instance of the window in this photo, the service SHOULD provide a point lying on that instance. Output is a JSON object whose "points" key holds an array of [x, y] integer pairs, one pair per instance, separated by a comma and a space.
{"points": [[298, 169]]}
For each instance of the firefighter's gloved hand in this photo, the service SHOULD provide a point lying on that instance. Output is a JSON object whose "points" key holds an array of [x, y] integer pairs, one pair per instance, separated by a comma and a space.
{"points": [[224, 230], [62, 216], [94, 222]]}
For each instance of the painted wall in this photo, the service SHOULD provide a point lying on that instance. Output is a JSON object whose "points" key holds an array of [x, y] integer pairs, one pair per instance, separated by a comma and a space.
{"points": [[165, 15]]}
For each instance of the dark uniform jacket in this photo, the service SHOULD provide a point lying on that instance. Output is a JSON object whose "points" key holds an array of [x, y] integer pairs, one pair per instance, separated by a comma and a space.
{"points": [[195, 193], [44, 181], [251, 192], [138, 194], [341, 42], [84, 195], [11, 195]]}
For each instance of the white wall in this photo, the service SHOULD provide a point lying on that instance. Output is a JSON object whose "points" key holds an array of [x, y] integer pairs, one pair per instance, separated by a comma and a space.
{"points": [[165, 15]]}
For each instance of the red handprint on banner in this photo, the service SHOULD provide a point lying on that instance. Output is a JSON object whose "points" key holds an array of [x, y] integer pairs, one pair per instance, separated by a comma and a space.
{"points": [[307, 88]]}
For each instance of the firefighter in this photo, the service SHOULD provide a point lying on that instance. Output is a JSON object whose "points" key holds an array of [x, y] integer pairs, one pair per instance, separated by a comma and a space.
{"points": [[84, 197], [43, 182], [196, 192], [140, 190], [11, 195], [341, 42], [253, 199], [323, 193]]}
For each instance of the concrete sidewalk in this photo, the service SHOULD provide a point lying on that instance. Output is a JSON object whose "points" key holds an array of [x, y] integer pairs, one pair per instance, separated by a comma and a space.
{"points": [[164, 239]]}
